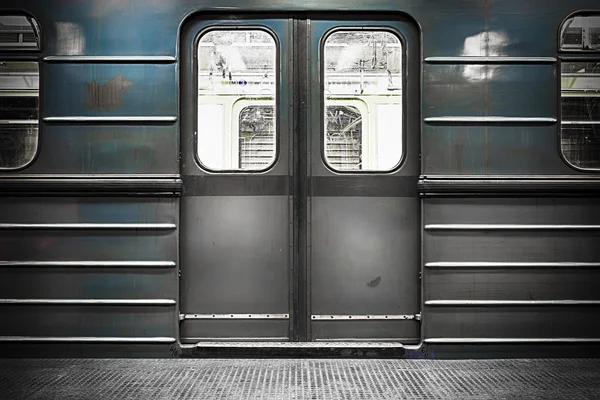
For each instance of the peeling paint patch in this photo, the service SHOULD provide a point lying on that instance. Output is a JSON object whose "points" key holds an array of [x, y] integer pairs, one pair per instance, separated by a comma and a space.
{"points": [[108, 95]]}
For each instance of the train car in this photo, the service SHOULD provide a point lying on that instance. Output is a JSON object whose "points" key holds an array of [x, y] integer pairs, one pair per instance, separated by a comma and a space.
{"points": [[386, 177]]}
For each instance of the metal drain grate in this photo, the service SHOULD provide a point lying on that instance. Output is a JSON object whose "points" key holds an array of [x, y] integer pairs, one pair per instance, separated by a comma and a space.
{"points": [[68, 379]]}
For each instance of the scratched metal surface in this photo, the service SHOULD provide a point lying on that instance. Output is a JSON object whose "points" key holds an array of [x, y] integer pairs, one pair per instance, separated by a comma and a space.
{"points": [[556, 264], [448, 28], [298, 379], [79, 264]]}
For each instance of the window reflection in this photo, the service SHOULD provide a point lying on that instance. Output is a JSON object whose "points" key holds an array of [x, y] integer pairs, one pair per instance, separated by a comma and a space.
{"points": [[236, 67], [362, 84], [19, 94], [580, 104]]}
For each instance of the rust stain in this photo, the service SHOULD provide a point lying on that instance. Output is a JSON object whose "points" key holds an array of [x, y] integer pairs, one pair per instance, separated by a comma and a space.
{"points": [[108, 95]]}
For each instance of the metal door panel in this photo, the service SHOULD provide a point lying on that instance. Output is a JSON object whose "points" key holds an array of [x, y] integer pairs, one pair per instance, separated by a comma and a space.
{"points": [[240, 257], [377, 331], [362, 250], [194, 331], [236, 226], [364, 244], [244, 236]]}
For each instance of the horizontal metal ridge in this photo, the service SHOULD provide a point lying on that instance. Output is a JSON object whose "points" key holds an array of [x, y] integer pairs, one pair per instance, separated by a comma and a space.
{"points": [[512, 265], [506, 227], [488, 186], [349, 344], [490, 60], [512, 303], [113, 119], [90, 185], [508, 340], [87, 339], [19, 121], [490, 120], [508, 177], [112, 59], [90, 302], [196, 339], [580, 122], [94, 177], [579, 90], [414, 317], [579, 75], [370, 340], [88, 264], [92, 226], [183, 317]]}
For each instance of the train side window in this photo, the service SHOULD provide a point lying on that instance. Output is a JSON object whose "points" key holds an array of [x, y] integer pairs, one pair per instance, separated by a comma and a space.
{"points": [[237, 94], [363, 100], [580, 91], [19, 92]]}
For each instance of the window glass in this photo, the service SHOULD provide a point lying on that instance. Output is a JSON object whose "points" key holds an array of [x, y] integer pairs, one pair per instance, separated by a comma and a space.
{"points": [[17, 32], [19, 94], [343, 145], [363, 100], [236, 65], [581, 32], [580, 103], [257, 137]]}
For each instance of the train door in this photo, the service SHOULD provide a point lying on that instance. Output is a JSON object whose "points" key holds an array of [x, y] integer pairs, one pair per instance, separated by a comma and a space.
{"points": [[300, 218]]}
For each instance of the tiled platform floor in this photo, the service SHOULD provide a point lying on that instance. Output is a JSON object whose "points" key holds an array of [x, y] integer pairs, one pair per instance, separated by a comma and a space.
{"points": [[151, 379]]}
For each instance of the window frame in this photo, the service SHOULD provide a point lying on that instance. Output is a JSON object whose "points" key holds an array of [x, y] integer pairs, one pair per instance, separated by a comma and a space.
{"points": [[371, 130], [27, 55], [229, 111], [568, 55]]}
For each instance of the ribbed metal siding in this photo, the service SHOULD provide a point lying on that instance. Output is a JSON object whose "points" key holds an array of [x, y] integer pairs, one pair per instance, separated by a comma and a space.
{"points": [[511, 268], [78, 269]]}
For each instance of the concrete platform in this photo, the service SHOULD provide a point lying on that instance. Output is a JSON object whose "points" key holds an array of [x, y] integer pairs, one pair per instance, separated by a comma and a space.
{"points": [[151, 379]]}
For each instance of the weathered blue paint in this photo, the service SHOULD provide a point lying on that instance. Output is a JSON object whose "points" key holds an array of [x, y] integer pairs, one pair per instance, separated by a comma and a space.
{"points": [[447, 28], [109, 90]]}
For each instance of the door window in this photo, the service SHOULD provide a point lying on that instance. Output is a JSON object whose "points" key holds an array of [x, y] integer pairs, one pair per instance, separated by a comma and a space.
{"points": [[363, 100], [236, 67]]}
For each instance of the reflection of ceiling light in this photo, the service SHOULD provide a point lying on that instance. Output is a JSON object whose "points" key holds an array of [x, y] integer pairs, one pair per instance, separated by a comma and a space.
{"points": [[489, 44], [70, 38]]}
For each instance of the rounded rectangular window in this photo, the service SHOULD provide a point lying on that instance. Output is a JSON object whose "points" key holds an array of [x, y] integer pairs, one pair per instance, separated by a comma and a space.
{"points": [[19, 94], [362, 96], [580, 91], [237, 95]]}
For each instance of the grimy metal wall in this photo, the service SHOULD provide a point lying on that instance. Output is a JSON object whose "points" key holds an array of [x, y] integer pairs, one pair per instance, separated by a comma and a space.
{"points": [[89, 231]]}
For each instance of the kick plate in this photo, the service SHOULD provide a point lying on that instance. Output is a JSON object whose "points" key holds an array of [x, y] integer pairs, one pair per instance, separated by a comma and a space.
{"points": [[297, 349]]}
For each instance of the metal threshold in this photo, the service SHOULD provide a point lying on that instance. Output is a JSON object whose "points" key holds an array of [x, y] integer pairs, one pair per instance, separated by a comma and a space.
{"points": [[319, 349]]}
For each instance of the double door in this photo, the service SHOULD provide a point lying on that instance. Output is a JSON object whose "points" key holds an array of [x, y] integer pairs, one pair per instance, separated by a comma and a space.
{"points": [[300, 218]]}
